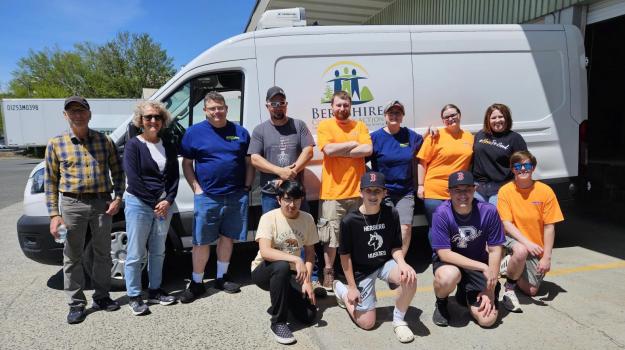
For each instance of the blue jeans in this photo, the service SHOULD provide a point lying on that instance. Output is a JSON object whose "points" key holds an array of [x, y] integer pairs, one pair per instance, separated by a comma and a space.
{"points": [[430, 207], [215, 215], [492, 199], [144, 230], [269, 202]]}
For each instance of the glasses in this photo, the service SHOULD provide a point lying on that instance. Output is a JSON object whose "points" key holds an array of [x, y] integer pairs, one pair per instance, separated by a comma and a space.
{"points": [[74, 111], [447, 117], [277, 104], [216, 109], [156, 117], [461, 190], [522, 166], [288, 200]]}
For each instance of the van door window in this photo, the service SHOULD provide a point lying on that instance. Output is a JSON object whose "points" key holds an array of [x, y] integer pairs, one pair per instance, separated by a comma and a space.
{"points": [[178, 104], [229, 84]]}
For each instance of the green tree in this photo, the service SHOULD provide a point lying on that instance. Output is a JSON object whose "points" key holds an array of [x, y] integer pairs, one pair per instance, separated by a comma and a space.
{"points": [[119, 68]]}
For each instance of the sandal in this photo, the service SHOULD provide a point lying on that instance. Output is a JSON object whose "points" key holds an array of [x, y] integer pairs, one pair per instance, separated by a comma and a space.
{"points": [[403, 332]]}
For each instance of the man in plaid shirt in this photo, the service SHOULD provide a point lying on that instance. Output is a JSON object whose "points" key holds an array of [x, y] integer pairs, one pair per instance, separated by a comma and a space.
{"points": [[78, 164]]}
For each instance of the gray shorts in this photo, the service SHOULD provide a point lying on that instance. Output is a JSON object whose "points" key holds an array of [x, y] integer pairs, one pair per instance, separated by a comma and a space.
{"points": [[530, 272], [367, 286], [404, 206]]}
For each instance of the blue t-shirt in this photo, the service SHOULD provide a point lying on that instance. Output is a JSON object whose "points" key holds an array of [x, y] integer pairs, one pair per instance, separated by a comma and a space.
{"points": [[393, 156], [219, 155], [467, 235]]}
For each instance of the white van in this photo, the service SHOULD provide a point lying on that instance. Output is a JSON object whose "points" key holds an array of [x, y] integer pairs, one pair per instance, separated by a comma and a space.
{"points": [[537, 70]]}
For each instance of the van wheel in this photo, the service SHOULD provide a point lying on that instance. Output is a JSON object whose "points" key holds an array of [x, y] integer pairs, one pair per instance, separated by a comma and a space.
{"points": [[119, 243]]}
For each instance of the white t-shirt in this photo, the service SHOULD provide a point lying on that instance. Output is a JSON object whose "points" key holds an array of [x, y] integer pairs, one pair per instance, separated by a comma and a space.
{"points": [[157, 151], [287, 235]]}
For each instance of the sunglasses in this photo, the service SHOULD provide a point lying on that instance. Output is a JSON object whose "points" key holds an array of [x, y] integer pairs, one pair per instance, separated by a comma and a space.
{"points": [[447, 117], [277, 104], [157, 117], [522, 166]]}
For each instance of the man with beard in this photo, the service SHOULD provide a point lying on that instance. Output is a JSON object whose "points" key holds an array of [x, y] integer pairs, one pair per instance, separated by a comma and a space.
{"points": [[345, 143], [280, 148]]}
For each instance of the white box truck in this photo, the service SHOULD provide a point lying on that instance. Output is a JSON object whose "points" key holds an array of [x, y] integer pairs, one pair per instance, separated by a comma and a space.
{"points": [[32, 122], [537, 70]]}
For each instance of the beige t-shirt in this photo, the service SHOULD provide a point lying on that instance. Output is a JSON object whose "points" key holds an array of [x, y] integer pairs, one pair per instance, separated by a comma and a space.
{"points": [[287, 235]]}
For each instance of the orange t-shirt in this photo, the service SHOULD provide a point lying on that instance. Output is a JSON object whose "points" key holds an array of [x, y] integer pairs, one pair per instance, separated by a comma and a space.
{"points": [[444, 155], [529, 209], [340, 176]]}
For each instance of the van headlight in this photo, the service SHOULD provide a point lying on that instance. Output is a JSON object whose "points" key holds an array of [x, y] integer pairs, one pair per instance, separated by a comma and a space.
{"points": [[38, 180]]}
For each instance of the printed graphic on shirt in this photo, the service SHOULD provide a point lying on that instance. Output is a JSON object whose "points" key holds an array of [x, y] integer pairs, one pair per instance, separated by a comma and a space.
{"points": [[285, 242], [465, 235]]}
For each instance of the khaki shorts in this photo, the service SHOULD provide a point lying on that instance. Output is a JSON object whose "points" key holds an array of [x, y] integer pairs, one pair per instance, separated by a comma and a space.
{"points": [[530, 272], [331, 213]]}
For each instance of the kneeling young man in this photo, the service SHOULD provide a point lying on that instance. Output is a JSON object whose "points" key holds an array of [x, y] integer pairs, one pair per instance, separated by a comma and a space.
{"points": [[529, 209], [279, 268], [370, 248], [467, 236]]}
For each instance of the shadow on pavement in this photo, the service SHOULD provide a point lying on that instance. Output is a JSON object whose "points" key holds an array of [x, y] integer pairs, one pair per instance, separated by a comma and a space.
{"points": [[597, 226]]}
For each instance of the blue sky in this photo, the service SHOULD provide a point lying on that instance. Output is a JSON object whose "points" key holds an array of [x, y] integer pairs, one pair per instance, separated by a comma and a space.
{"points": [[184, 28]]}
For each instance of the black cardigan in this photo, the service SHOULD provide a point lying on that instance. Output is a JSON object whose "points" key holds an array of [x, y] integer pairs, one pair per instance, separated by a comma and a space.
{"points": [[145, 181]]}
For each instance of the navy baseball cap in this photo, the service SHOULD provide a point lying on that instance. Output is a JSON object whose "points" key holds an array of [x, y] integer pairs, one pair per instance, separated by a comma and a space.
{"points": [[273, 91], [76, 99], [372, 179], [460, 178]]}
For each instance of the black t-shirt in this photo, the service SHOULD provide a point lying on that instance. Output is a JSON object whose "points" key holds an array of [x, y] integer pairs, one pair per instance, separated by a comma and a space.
{"points": [[491, 158], [369, 243]]}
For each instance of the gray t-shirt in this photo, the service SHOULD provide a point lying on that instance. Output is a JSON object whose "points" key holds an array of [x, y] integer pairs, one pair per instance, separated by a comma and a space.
{"points": [[280, 145]]}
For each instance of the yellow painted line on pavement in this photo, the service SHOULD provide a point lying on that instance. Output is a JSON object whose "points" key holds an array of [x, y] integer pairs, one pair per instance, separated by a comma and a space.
{"points": [[556, 272], [592, 267]]}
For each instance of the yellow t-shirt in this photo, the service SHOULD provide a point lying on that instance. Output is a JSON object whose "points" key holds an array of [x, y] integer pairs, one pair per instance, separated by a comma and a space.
{"points": [[340, 176], [529, 209], [444, 155], [287, 235]]}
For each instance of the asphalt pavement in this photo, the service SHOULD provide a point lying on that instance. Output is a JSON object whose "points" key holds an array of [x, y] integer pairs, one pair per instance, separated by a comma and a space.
{"points": [[580, 306]]}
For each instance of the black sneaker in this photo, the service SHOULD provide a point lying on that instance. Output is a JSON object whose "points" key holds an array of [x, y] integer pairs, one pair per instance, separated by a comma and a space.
{"points": [[193, 291], [226, 284], [105, 303], [76, 314], [282, 333], [159, 296], [441, 314], [137, 306]]}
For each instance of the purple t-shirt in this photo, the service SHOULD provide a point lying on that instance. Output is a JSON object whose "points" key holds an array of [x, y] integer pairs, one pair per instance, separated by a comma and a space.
{"points": [[467, 235]]}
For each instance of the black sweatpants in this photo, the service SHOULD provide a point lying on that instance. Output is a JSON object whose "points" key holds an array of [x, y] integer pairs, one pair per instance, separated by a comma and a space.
{"points": [[284, 291]]}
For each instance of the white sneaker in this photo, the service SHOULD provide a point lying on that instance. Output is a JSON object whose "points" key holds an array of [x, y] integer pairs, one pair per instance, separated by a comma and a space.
{"points": [[503, 266], [511, 302], [339, 300]]}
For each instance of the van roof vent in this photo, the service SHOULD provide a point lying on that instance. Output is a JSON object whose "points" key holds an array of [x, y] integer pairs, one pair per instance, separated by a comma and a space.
{"points": [[293, 17]]}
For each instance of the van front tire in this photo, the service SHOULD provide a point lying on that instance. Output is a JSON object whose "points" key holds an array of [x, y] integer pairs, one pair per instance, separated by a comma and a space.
{"points": [[119, 244]]}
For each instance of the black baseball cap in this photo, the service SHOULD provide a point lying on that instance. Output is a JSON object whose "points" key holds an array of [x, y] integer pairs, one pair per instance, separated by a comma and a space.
{"points": [[76, 99], [372, 179], [273, 91], [461, 178]]}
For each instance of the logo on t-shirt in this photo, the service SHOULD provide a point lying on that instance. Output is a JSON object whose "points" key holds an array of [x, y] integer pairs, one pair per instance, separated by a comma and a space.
{"points": [[465, 235], [375, 241], [232, 138]]}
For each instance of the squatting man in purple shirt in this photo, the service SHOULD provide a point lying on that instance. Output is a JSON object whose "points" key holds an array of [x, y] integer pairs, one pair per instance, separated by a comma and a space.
{"points": [[467, 238]]}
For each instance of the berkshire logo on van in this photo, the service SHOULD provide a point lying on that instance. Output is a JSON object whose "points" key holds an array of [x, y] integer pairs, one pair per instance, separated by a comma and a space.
{"points": [[347, 76]]}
